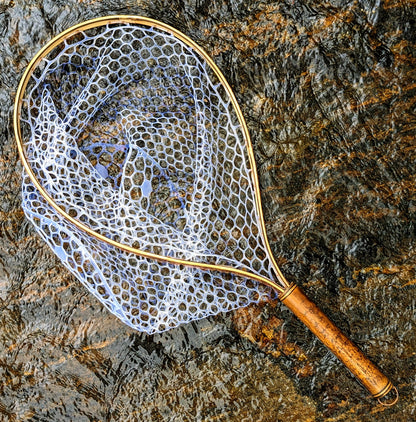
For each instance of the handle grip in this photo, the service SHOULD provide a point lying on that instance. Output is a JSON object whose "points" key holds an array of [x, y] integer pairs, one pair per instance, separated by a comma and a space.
{"points": [[346, 351]]}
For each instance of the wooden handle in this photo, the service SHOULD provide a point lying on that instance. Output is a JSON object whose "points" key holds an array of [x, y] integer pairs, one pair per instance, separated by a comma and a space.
{"points": [[346, 351]]}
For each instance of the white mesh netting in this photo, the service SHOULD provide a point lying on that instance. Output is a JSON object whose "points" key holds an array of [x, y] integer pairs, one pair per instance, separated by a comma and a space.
{"points": [[131, 133]]}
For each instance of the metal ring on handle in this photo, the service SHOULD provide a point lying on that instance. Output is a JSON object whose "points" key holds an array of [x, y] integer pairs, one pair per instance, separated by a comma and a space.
{"points": [[393, 401]]}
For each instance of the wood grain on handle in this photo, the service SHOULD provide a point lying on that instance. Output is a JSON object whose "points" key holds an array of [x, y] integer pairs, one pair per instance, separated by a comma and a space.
{"points": [[346, 351]]}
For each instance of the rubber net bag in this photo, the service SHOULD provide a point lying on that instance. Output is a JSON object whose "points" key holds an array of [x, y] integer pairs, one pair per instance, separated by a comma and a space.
{"points": [[132, 134]]}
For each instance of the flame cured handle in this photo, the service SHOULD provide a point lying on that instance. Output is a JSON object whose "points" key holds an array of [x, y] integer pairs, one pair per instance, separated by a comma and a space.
{"points": [[347, 352]]}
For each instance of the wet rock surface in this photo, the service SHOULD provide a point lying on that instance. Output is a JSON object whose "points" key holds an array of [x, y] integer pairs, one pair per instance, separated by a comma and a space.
{"points": [[328, 92]]}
